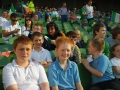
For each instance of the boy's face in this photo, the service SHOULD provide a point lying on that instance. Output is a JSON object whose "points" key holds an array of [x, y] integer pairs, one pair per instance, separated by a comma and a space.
{"points": [[37, 29], [102, 32], [23, 52], [38, 41], [91, 49], [74, 40], [63, 51], [78, 34]]}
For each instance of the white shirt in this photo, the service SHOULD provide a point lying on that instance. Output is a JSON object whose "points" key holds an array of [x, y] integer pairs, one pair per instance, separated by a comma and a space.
{"points": [[55, 13], [7, 26], [26, 79], [89, 9], [24, 31], [115, 62], [43, 55], [2, 20]]}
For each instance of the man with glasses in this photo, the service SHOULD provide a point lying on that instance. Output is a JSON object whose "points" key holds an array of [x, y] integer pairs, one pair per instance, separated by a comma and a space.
{"points": [[11, 28], [3, 17]]}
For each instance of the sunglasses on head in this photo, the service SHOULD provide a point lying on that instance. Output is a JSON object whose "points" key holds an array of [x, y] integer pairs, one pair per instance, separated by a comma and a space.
{"points": [[28, 20], [14, 20]]}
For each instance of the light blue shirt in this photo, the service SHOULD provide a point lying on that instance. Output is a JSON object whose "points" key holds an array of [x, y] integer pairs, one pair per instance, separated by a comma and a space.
{"points": [[64, 79], [63, 11], [102, 64]]}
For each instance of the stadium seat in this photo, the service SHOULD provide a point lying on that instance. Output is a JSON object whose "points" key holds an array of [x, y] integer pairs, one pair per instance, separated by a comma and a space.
{"points": [[3, 61], [85, 77], [2, 41], [6, 47], [53, 54], [1, 84], [83, 52], [11, 40]]}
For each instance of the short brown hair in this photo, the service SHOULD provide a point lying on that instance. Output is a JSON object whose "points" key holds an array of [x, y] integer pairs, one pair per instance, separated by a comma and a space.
{"points": [[71, 34], [97, 28], [63, 40], [22, 39], [99, 43], [115, 32], [36, 34], [39, 24]]}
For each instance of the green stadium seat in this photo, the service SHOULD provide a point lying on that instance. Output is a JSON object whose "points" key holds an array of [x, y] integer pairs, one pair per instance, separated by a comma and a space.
{"points": [[11, 40], [85, 77], [83, 53], [1, 84], [2, 41], [6, 47], [53, 54], [3, 61]]}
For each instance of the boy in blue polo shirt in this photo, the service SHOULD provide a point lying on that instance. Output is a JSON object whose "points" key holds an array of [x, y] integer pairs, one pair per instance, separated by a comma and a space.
{"points": [[63, 74], [100, 67]]}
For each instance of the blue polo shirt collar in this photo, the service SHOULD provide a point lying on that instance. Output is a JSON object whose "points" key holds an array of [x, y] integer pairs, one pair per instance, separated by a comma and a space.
{"points": [[59, 66]]}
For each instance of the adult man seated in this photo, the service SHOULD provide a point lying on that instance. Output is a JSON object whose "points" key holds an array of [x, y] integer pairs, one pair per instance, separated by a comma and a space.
{"points": [[3, 17], [11, 28]]}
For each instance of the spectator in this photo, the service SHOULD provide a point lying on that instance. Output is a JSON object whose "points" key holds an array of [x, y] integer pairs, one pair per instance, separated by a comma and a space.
{"points": [[89, 10], [72, 16], [100, 67], [75, 54], [35, 18], [99, 31], [84, 14], [21, 73], [115, 37], [63, 74], [63, 12], [38, 13], [11, 28], [47, 20], [40, 54], [80, 43], [3, 18], [28, 26]]}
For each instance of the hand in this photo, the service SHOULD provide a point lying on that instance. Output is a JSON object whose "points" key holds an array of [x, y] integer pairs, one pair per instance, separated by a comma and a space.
{"points": [[88, 12], [43, 62], [16, 31], [53, 42], [85, 62]]}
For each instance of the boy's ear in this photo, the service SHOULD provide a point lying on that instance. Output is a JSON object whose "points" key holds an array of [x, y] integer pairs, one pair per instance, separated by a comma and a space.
{"points": [[14, 51], [55, 49]]}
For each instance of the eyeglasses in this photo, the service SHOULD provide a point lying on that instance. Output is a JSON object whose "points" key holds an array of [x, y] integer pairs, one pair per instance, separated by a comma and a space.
{"points": [[14, 20]]}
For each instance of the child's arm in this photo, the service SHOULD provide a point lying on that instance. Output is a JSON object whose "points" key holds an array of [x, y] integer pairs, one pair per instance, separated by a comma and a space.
{"points": [[92, 70], [47, 64], [115, 65], [116, 69], [79, 86], [55, 88]]}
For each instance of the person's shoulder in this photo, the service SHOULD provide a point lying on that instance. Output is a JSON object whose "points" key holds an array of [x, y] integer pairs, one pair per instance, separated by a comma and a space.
{"points": [[72, 63], [53, 65], [108, 39], [114, 59], [36, 63], [103, 57]]}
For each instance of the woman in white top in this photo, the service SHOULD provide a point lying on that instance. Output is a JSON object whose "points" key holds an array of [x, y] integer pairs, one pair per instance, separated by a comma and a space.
{"points": [[115, 55], [28, 26]]}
